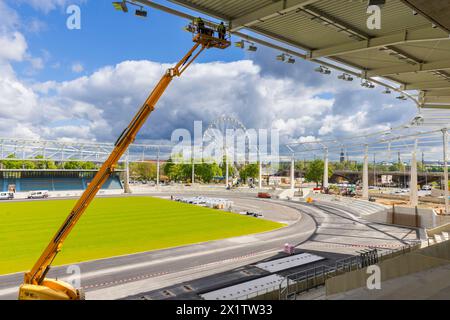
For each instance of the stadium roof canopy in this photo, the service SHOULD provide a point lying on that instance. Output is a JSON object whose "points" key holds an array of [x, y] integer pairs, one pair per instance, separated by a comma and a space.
{"points": [[411, 49]]}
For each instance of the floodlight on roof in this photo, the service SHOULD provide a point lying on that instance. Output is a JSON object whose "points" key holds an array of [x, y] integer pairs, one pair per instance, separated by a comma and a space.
{"points": [[240, 44], [387, 91], [367, 84], [418, 120], [402, 97], [252, 48], [291, 60], [141, 13], [323, 70], [345, 77], [281, 57], [120, 6]]}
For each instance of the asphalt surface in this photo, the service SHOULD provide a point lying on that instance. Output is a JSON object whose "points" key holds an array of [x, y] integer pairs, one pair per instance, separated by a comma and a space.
{"points": [[329, 230]]}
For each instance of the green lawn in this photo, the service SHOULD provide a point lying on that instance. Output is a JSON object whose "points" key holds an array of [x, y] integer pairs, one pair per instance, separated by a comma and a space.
{"points": [[111, 227]]}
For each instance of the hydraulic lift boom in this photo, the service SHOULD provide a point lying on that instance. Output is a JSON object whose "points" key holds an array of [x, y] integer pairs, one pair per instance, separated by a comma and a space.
{"points": [[36, 286]]}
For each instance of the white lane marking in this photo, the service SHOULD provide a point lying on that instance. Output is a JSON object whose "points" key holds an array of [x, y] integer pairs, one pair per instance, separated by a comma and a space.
{"points": [[171, 259], [9, 291]]}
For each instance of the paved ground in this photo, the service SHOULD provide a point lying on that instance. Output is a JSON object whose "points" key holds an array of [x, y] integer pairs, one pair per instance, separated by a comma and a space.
{"points": [[220, 263], [130, 274], [433, 284]]}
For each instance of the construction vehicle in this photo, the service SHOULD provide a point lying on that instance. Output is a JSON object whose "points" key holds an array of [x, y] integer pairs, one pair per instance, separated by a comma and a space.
{"points": [[36, 286]]}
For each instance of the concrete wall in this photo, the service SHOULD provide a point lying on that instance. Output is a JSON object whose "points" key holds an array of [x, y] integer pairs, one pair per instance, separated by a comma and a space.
{"points": [[438, 230], [416, 261], [406, 216]]}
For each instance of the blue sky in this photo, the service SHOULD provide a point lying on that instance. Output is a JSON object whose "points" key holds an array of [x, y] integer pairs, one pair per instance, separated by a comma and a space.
{"points": [[107, 37], [85, 85]]}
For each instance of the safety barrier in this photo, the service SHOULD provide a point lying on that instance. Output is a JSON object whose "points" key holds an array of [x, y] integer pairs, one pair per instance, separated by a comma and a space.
{"points": [[303, 281]]}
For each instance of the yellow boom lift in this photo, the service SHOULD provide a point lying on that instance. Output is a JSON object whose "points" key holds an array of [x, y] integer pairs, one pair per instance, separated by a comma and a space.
{"points": [[36, 286]]}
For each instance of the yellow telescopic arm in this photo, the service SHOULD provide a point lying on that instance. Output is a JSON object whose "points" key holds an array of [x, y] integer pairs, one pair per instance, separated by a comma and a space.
{"points": [[40, 269]]}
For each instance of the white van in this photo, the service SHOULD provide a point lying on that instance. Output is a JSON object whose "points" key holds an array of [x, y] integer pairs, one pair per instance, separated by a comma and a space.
{"points": [[6, 195], [38, 195]]}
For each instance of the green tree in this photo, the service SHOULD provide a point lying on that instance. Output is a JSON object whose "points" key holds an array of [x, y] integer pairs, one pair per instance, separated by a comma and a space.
{"points": [[249, 171], [79, 165], [143, 170], [44, 163], [315, 171], [207, 171], [12, 164]]}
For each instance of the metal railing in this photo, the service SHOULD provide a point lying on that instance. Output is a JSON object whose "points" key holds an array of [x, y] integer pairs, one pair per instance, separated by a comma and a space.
{"points": [[303, 281]]}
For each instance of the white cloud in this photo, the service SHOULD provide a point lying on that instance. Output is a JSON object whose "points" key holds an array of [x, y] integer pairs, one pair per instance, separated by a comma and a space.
{"points": [[49, 5], [101, 104], [12, 47], [77, 67]]}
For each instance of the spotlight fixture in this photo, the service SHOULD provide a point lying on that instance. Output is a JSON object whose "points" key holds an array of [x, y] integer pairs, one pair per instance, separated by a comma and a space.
{"points": [[240, 44], [291, 60], [367, 84], [345, 77], [323, 70], [387, 91], [418, 120], [120, 6], [402, 97], [141, 13], [189, 28], [252, 48], [281, 57]]}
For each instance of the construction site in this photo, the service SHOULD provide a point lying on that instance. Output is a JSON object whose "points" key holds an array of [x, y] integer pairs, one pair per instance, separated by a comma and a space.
{"points": [[321, 172]]}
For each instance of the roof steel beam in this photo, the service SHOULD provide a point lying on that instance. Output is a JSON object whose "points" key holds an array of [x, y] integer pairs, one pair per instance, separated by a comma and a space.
{"points": [[407, 36], [270, 11], [436, 93], [404, 68], [441, 84], [189, 5]]}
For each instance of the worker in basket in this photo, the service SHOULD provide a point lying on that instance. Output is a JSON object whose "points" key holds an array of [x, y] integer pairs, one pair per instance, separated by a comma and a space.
{"points": [[200, 25], [222, 30]]}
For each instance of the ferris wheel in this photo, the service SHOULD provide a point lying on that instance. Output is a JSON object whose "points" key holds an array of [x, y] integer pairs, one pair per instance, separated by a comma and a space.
{"points": [[218, 128], [217, 133]]}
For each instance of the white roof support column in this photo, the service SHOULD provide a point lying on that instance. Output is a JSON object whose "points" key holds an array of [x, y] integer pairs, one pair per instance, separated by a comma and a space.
{"points": [[126, 186], [227, 172], [157, 169], [365, 191], [325, 169], [293, 172], [413, 192], [260, 174], [193, 172], [445, 147]]}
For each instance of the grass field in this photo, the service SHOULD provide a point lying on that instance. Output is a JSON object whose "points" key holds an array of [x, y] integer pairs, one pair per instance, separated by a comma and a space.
{"points": [[111, 227]]}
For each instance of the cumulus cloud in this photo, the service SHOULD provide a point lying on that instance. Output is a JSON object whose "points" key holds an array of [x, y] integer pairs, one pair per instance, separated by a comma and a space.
{"points": [[49, 5], [259, 91], [101, 104], [77, 67], [12, 47]]}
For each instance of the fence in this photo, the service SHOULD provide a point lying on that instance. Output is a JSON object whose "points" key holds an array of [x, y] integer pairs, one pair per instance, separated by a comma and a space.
{"points": [[305, 280]]}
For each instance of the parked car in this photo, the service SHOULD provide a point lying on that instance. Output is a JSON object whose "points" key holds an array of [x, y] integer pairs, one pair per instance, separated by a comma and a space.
{"points": [[426, 188], [264, 195], [254, 214], [6, 195], [38, 195]]}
